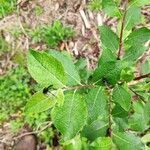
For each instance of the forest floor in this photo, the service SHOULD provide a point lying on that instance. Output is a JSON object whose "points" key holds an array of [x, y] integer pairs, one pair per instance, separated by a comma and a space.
{"points": [[28, 16]]}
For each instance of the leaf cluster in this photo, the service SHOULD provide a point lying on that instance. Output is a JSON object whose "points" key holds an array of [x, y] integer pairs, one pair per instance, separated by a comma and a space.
{"points": [[52, 35], [100, 109]]}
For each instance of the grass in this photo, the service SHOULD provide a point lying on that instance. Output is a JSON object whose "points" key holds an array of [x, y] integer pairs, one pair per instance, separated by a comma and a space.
{"points": [[15, 91], [52, 35], [7, 7]]}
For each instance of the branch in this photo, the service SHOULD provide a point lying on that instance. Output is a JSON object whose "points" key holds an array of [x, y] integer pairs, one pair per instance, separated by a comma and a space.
{"points": [[140, 96], [142, 77], [80, 87], [110, 116], [121, 33], [33, 132], [110, 120]]}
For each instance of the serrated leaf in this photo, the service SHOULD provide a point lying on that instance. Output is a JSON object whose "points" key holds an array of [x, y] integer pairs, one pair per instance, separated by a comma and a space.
{"points": [[59, 97], [106, 56], [96, 101], [137, 122], [146, 67], [121, 124], [109, 72], [46, 70], [147, 112], [127, 74], [105, 34], [102, 143], [134, 52], [110, 8], [128, 141], [81, 66], [139, 36], [121, 96], [39, 103], [74, 144], [96, 129], [119, 112], [139, 3], [71, 117], [73, 77], [103, 69], [133, 17]]}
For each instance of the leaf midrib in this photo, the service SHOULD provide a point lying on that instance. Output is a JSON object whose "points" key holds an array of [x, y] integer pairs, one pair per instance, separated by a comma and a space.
{"points": [[48, 71]]}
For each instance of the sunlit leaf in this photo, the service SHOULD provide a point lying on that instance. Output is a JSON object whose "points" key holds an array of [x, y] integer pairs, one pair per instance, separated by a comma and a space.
{"points": [[122, 97], [110, 8], [105, 34], [70, 118], [73, 77], [39, 103], [46, 70], [128, 141]]}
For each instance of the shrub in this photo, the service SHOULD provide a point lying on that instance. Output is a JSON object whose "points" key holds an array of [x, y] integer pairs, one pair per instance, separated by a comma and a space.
{"points": [[109, 109]]}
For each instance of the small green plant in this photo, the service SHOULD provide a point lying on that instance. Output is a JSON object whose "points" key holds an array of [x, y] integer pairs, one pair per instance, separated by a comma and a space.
{"points": [[95, 5], [4, 46], [38, 10], [107, 109], [14, 93], [52, 35], [7, 7]]}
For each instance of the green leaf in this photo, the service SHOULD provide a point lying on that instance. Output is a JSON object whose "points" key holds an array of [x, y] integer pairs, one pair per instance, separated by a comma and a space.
{"points": [[96, 101], [139, 36], [139, 3], [146, 67], [75, 144], [105, 34], [46, 70], [128, 141], [119, 112], [147, 112], [137, 122], [103, 70], [39, 103], [106, 56], [140, 119], [71, 117], [109, 72], [102, 143], [120, 124], [134, 52], [95, 5], [96, 129], [81, 66], [127, 74], [121, 96], [69, 67], [133, 17], [60, 97], [110, 8]]}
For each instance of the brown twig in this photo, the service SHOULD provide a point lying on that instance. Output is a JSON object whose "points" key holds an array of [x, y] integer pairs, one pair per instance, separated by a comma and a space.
{"points": [[33, 132], [143, 76], [122, 29], [110, 102], [137, 95]]}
